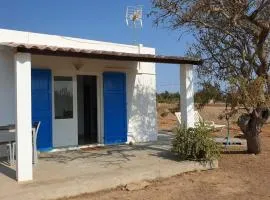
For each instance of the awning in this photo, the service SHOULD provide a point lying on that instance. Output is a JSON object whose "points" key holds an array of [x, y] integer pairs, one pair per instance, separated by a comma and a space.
{"points": [[95, 54]]}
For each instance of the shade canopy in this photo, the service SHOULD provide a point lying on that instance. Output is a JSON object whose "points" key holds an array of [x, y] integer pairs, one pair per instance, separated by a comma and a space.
{"points": [[97, 54]]}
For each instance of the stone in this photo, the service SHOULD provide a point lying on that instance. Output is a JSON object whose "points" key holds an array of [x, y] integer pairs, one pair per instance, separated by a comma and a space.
{"points": [[137, 186]]}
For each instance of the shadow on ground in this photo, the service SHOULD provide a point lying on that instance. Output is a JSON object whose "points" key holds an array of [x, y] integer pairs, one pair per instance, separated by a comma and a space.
{"points": [[6, 170], [234, 152], [115, 154]]}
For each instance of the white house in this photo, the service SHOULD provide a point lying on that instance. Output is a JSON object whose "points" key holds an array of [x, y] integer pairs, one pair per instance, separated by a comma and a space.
{"points": [[83, 92]]}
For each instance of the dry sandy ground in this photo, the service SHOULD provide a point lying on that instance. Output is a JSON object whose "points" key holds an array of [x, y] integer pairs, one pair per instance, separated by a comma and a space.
{"points": [[240, 176]]}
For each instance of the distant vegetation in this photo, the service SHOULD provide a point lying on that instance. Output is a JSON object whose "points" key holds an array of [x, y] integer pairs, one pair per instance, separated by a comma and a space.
{"points": [[202, 97], [209, 93], [168, 97]]}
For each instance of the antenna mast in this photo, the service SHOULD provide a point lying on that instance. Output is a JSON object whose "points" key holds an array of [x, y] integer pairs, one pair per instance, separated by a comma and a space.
{"points": [[134, 18]]}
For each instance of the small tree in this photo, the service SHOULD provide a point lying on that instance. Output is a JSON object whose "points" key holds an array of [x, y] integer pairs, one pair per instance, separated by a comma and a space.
{"points": [[207, 93], [168, 97], [232, 37]]}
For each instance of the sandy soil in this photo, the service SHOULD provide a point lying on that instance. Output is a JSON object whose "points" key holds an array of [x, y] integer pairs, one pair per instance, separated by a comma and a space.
{"points": [[240, 176]]}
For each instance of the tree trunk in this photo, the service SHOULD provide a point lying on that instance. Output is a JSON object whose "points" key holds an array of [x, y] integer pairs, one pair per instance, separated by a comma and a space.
{"points": [[253, 133], [254, 144], [251, 125]]}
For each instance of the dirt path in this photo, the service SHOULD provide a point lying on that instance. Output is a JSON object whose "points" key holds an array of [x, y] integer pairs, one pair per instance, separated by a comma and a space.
{"points": [[240, 176]]}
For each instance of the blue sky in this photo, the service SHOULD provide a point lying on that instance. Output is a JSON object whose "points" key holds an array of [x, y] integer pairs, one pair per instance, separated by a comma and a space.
{"points": [[96, 20]]}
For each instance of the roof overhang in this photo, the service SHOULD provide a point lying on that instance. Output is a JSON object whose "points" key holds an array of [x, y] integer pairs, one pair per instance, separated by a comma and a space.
{"points": [[96, 54]]}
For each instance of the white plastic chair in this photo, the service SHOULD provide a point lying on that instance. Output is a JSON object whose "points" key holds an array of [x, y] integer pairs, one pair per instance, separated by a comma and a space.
{"points": [[10, 154], [34, 136], [35, 130], [8, 142], [198, 119]]}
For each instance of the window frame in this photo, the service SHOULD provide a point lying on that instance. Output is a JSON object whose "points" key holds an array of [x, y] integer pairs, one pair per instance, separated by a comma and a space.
{"points": [[68, 78]]}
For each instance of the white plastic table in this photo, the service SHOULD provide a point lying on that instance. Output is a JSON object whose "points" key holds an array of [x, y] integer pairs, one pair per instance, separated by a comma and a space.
{"points": [[8, 137]]}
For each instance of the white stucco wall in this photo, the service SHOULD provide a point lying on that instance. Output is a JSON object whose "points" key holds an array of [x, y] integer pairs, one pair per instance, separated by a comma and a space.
{"points": [[7, 84], [142, 116], [141, 84], [7, 92], [141, 102]]}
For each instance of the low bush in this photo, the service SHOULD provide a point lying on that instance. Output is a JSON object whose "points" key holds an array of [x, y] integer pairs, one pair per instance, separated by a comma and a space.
{"points": [[195, 144]]}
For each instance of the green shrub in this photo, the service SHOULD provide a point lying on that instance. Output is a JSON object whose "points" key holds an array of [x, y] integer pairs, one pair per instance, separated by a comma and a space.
{"points": [[195, 144]]}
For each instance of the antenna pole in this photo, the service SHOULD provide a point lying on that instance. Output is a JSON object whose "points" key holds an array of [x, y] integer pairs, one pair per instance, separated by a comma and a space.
{"points": [[134, 34], [134, 20]]}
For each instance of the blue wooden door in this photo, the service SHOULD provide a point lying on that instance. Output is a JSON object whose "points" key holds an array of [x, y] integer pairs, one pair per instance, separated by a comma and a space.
{"points": [[42, 106], [115, 112]]}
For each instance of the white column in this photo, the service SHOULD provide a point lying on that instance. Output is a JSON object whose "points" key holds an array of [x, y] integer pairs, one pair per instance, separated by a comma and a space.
{"points": [[23, 116], [186, 95]]}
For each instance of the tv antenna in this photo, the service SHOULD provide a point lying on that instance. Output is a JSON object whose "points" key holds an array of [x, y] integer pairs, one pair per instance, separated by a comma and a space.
{"points": [[134, 18]]}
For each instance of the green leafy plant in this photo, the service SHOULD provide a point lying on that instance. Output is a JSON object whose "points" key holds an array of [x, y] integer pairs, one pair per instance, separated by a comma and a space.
{"points": [[195, 144]]}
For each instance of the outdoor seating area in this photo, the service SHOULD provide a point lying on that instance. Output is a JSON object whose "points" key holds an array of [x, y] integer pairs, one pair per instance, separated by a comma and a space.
{"points": [[93, 169], [8, 138]]}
